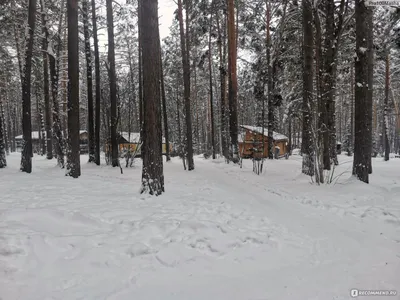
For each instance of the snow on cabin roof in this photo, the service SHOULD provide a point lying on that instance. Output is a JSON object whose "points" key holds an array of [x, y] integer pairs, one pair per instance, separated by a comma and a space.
{"points": [[134, 137], [35, 135], [277, 136]]}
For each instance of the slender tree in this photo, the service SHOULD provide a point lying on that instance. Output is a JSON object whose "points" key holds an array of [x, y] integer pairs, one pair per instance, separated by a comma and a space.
{"points": [[89, 81], [26, 155], [307, 143], [73, 158], [113, 84], [232, 58], [3, 160], [165, 114], [46, 88], [152, 173], [211, 87], [97, 83], [186, 84]]}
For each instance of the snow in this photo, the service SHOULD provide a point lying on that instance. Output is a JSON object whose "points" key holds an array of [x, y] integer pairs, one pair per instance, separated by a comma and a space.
{"points": [[134, 137], [277, 136], [219, 232]]}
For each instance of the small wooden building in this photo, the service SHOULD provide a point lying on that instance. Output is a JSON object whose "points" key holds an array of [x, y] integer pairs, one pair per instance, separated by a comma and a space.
{"points": [[251, 143], [37, 140], [131, 142]]}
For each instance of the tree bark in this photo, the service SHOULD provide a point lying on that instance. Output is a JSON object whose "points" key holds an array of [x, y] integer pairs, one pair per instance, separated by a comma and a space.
{"points": [[386, 107], [362, 151], [3, 159], [97, 84], [186, 83], [73, 155], [152, 173], [89, 81], [232, 57], [164, 108], [307, 148], [54, 62], [26, 155], [222, 78], [211, 89], [46, 88], [113, 84]]}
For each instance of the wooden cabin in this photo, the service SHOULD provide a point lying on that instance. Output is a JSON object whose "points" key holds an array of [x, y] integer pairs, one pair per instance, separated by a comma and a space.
{"points": [[131, 142], [251, 143], [37, 140]]}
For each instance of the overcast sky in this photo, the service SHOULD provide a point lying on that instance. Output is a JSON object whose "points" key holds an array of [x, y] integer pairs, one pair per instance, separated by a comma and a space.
{"points": [[166, 14]]}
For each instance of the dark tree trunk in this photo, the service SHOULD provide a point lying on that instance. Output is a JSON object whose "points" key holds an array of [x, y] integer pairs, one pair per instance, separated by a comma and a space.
{"points": [[362, 150], [222, 78], [186, 83], [370, 39], [152, 173], [140, 65], [54, 61], [211, 90], [5, 130], [46, 88], [386, 109], [88, 54], [307, 148], [165, 114], [11, 129], [113, 85], [3, 159], [97, 84], [232, 57], [351, 137], [270, 92], [26, 155], [73, 155]]}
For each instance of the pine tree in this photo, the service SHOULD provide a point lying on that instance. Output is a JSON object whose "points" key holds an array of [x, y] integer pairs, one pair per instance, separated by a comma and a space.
{"points": [[152, 173], [73, 157]]}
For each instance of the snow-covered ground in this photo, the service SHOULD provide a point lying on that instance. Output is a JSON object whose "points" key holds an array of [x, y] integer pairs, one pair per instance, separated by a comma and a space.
{"points": [[218, 233]]}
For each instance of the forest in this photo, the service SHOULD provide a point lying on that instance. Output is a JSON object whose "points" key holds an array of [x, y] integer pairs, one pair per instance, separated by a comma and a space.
{"points": [[267, 129]]}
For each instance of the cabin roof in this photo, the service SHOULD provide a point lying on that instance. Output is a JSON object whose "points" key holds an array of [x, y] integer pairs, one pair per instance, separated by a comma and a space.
{"points": [[132, 138], [35, 135], [277, 136]]}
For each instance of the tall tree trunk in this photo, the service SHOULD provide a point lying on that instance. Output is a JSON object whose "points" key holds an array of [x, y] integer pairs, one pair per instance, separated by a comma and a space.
{"points": [[97, 84], [307, 148], [362, 150], [54, 62], [5, 130], [140, 64], [3, 159], [152, 173], [322, 142], [370, 39], [351, 137], [113, 84], [211, 89], [89, 81], [222, 78], [270, 87], [386, 108], [186, 83], [232, 57], [46, 88], [164, 108], [26, 155], [73, 156]]}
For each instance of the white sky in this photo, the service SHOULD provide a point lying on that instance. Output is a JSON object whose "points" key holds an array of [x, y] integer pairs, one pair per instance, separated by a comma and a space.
{"points": [[166, 14]]}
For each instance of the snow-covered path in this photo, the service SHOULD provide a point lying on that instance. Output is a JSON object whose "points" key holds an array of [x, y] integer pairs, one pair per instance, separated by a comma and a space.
{"points": [[218, 232]]}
